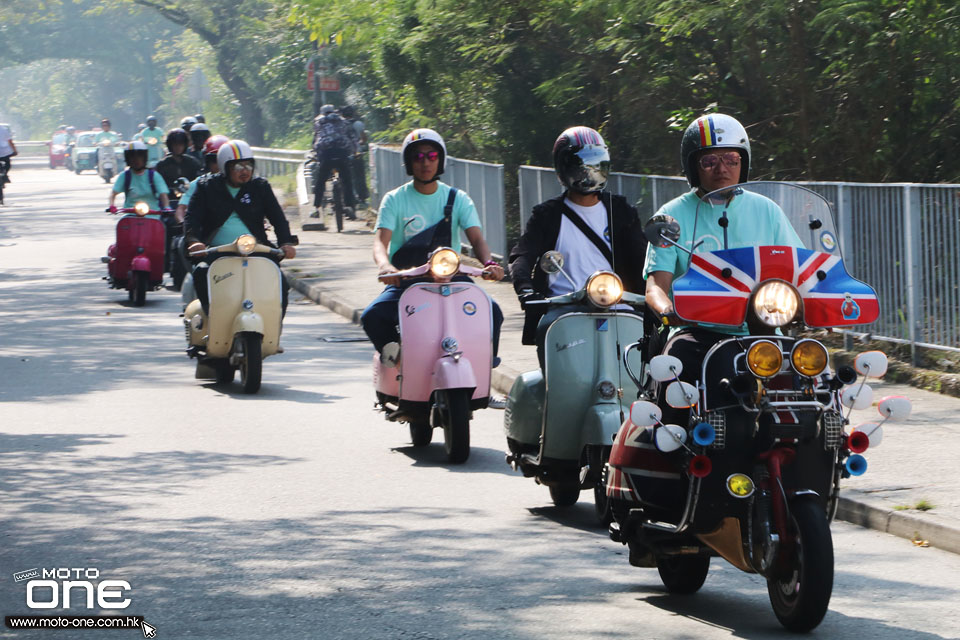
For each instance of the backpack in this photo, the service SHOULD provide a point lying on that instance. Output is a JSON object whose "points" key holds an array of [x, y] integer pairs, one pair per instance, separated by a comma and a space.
{"points": [[332, 133]]}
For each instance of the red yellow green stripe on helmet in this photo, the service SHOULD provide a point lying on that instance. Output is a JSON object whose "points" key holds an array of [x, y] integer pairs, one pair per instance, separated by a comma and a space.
{"points": [[708, 132], [235, 150]]}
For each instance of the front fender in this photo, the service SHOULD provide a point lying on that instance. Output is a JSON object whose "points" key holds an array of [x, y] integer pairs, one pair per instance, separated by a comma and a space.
{"points": [[601, 424], [248, 321], [140, 263], [452, 374]]}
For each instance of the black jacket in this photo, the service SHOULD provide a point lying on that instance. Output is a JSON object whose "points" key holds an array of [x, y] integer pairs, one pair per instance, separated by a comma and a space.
{"points": [[540, 236], [169, 169], [212, 204]]}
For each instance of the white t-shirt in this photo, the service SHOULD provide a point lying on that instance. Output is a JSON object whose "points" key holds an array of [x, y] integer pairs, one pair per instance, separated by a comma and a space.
{"points": [[5, 137], [581, 257]]}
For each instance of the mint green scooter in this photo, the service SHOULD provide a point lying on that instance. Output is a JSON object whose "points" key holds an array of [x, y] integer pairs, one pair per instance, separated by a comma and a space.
{"points": [[560, 423]]}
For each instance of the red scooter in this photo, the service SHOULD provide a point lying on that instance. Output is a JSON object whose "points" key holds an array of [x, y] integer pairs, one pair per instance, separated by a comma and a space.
{"points": [[135, 262]]}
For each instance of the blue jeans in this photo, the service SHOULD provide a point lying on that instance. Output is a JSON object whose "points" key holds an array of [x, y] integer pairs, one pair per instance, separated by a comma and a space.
{"points": [[382, 316]]}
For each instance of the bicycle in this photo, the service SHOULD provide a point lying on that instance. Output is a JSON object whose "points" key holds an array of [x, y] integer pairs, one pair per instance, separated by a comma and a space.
{"points": [[336, 198], [3, 177]]}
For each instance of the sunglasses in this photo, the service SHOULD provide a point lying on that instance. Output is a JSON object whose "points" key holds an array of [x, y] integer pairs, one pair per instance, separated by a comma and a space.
{"points": [[426, 155], [242, 165], [730, 158]]}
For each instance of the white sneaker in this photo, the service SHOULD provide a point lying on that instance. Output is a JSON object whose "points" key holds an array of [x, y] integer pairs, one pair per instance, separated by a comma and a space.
{"points": [[497, 402]]}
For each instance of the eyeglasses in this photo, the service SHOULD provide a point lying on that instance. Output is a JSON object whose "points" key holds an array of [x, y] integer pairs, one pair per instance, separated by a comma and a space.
{"points": [[248, 166], [730, 158], [426, 155]]}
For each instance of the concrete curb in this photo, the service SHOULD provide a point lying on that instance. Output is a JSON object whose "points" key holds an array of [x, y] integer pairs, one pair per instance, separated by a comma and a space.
{"points": [[852, 510]]}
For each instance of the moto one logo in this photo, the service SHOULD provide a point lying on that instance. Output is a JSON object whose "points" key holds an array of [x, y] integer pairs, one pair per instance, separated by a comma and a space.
{"points": [[64, 587]]}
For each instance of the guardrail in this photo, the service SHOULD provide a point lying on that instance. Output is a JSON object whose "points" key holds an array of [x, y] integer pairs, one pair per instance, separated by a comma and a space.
{"points": [[31, 148], [278, 162]]}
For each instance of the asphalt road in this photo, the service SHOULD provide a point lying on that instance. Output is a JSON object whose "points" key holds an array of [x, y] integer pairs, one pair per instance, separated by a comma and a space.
{"points": [[299, 512]]}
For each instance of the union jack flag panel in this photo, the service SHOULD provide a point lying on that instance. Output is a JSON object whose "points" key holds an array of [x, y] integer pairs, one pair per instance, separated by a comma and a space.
{"points": [[716, 288]]}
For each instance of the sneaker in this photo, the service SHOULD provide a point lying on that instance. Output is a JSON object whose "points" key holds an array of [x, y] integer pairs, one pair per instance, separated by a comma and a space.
{"points": [[315, 214], [497, 402], [348, 211]]}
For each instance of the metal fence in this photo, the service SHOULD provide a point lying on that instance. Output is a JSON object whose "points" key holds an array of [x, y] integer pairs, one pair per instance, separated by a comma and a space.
{"points": [[278, 162], [482, 181]]}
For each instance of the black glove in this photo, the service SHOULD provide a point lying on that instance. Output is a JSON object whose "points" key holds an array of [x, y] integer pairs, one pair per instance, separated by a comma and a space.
{"points": [[526, 295]]}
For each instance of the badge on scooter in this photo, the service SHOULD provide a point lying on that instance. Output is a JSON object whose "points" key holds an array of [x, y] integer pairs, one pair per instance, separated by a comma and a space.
{"points": [[828, 241], [603, 324], [469, 308], [849, 308]]}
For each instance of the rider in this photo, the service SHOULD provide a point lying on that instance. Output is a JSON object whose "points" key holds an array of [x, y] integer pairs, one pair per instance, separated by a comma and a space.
{"points": [[153, 136], [714, 154], [593, 229], [334, 144], [229, 204], [177, 164], [210, 149], [137, 183], [7, 150], [198, 136], [106, 134], [411, 220], [187, 122], [358, 163], [199, 118]]}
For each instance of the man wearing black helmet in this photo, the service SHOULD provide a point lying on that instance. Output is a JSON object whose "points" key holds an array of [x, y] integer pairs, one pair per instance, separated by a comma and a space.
{"points": [[592, 228], [177, 164]]}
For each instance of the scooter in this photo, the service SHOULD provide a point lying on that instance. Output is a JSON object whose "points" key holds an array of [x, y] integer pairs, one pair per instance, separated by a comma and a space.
{"points": [[106, 161], [439, 372], [135, 261], [178, 263], [753, 474], [560, 422], [246, 313]]}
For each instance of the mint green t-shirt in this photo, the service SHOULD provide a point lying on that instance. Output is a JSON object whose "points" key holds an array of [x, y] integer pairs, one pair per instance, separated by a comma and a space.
{"points": [[406, 212], [140, 190], [112, 136], [233, 228]]}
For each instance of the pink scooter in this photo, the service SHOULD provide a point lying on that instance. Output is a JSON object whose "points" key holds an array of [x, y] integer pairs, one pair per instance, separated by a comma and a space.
{"points": [[441, 373], [135, 262]]}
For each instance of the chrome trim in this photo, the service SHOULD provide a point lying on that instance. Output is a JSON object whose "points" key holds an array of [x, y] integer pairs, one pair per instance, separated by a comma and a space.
{"points": [[692, 498]]}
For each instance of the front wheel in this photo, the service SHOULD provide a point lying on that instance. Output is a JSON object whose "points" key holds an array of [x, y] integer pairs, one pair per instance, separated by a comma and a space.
{"points": [[801, 592], [138, 293], [338, 204], [107, 176], [251, 366], [565, 494], [683, 574], [455, 414], [421, 433]]}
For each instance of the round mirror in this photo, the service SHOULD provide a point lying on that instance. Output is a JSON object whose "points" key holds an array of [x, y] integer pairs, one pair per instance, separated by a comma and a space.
{"points": [[873, 431], [895, 407], [872, 364], [661, 230], [681, 395], [670, 437], [857, 397], [663, 368], [552, 261], [645, 414]]}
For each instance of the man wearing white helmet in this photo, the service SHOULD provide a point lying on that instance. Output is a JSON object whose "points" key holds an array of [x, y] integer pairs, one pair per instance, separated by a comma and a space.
{"points": [[415, 219], [232, 203], [137, 182]]}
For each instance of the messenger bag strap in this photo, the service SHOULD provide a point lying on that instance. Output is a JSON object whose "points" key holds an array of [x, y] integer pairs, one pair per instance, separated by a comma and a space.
{"points": [[588, 232]]}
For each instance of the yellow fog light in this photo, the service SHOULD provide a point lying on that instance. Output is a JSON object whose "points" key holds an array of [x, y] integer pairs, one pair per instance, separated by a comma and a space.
{"points": [[142, 208], [809, 358], [740, 485], [444, 263], [246, 244], [776, 303], [764, 359], [604, 289]]}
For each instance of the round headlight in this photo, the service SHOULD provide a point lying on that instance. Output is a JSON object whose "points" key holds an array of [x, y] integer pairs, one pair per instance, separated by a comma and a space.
{"points": [[444, 263], [246, 244], [740, 485], [142, 208], [151, 141], [604, 289], [764, 359], [809, 358], [776, 303]]}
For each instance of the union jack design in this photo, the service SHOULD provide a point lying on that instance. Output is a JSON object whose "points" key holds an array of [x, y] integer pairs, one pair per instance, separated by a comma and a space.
{"points": [[717, 287]]}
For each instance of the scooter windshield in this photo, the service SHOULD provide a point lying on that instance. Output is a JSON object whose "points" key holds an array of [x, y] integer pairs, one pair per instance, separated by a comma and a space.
{"points": [[749, 234]]}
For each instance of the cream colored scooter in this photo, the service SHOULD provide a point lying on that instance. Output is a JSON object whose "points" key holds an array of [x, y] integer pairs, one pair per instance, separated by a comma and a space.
{"points": [[246, 313]]}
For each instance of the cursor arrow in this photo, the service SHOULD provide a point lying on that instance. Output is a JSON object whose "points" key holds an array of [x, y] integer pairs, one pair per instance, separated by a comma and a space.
{"points": [[149, 631]]}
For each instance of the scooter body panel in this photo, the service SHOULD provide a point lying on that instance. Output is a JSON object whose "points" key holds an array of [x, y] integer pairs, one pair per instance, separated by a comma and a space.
{"points": [[454, 374], [523, 417], [139, 238], [386, 379], [232, 280]]}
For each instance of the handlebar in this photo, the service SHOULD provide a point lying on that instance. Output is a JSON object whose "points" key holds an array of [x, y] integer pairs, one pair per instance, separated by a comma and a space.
{"points": [[151, 212]]}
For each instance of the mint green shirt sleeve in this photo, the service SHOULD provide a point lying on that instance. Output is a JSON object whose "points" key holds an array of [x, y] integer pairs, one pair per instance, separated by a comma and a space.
{"points": [[387, 216], [159, 183], [185, 198], [465, 212]]}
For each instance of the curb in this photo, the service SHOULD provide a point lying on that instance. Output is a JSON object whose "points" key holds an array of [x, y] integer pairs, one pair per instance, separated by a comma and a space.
{"points": [[897, 523]]}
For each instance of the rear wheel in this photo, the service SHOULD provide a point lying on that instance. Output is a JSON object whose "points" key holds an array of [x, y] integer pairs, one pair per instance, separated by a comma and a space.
{"points": [[565, 494], [801, 594], [455, 414], [421, 433], [251, 366], [138, 293], [683, 574]]}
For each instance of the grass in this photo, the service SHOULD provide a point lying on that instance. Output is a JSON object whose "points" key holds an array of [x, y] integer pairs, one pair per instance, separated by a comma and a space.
{"points": [[922, 505]]}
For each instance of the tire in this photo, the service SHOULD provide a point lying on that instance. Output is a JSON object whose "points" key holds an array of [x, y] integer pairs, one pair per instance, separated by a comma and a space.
{"points": [[251, 367], [601, 503], [683, 575], [77, 170], [338, 204], [421, 433], [178, 272], [138, 294], [108, 176], [801, 597], [225, 373], [455, 415], [566, 494]]}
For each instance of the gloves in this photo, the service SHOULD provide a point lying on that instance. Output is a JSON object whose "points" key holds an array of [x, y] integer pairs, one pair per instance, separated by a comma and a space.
{"points": [[111, 209], [527, 295]]}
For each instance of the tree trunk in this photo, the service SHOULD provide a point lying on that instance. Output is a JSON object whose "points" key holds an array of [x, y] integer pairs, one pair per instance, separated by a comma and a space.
{"points": [[253, 124]]}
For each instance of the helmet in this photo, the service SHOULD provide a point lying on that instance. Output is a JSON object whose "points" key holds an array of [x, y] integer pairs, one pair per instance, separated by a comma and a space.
{"points": [[199, 118], [213, 144], [61, 127], [233, 150], [105, 122], [137, 147], [71, 129], [141, 127], [199, 134], [151, 121], [175, 136], [423, 135], [581, 160], [187, 122], [714, 131], [327, 109], [348, 111]]}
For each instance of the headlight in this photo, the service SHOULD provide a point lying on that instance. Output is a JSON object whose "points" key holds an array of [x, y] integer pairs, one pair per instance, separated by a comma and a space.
{"points": [[246, 244], [764, 359], [740, 485], [444, 263], [151, 141], [604, 289], [776, 303], [142, 208], [809, 358]]}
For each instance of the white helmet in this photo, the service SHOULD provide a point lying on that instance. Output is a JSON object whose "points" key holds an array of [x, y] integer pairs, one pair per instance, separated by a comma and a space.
{"points": [[423, 135], [134, 148], [233, 150]]}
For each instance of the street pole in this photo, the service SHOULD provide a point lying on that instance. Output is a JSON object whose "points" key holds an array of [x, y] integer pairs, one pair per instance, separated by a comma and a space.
{"points": [[317, 94]]}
